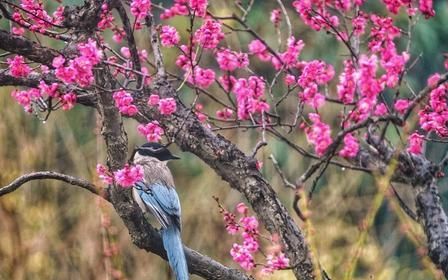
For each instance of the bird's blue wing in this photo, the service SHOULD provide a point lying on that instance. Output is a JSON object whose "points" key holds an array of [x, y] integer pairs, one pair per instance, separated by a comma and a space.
{"points": [[162, 201]]}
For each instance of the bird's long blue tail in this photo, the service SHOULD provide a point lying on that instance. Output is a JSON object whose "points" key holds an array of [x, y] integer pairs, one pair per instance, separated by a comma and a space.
{"points": [[176, 256]]}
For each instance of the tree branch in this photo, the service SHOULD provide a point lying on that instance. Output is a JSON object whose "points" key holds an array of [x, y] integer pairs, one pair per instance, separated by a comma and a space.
{"points": [[49, 175], [27, 48]]}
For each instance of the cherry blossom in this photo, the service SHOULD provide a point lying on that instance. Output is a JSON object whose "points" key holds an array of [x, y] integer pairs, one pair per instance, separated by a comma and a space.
{"points": [[17, 66], [169, 36], [128, 175], [152, 131]]}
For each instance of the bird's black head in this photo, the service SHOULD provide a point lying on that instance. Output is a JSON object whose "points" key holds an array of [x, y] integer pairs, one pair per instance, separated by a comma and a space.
{"points": [[156, 150]]}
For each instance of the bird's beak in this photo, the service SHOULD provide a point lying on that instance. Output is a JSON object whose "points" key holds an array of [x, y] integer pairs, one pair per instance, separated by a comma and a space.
{"points": [[174, 157]]}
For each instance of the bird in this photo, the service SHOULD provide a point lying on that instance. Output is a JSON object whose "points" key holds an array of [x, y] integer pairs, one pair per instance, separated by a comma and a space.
{"points": [[156, 194]]}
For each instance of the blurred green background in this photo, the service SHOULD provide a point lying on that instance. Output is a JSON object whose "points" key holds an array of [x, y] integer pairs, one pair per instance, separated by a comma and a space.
{"points": [[49, 230]]}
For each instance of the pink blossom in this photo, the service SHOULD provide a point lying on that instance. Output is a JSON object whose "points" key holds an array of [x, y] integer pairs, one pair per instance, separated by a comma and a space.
{"points": [[153, 100], [437, 99], [140, 8], [209, 34], [48, 90], [125, 52], [232, 226], [347, 83], [351, 146], [104, 174], [242, 256], [248, 94], [224, 113], [256, 47], [199, 7], [169, 36], [426, 7], [401, 105], [380, 110], [290, 80], [275, 262], [276, 17], [90, 51], [249, 223], [203, 78], [291, 55], [433, 80], [107, 19], [323, 20], [58, 61], [68, 101], [26, 97], [227, 82], [229, 60], [250, 244], [17, 66], [242, 208], [128, 175], [314, 73], [359, 24], [18, 31], [152, 131], [123, 100], [167, 106], [415, 143], [318, 134]]}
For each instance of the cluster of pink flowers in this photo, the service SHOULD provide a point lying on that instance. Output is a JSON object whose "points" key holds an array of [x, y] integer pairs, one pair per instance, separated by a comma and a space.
{"points": [[318, 134], [169, 36], [369, 88], [166, 106], [347, 83], [140, 8], [209, 34], [184, 7], [37, 19], [249, 93], [426, 7], [68, 101], [104, 174], [26, 97], [383, 33], [199, 7], [275, 261], [359, 24], [123, 100], [18, 67], [107, 19], [202, 78], [401, 105], [289, 58], [322, 20], [415, 143], [80, 69], [229, 60], [128, 175], [152, 131], [351, 147], [276, 17], [256, 47], [243, 253], [434, 116], [224, 113], [314, 73]]}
